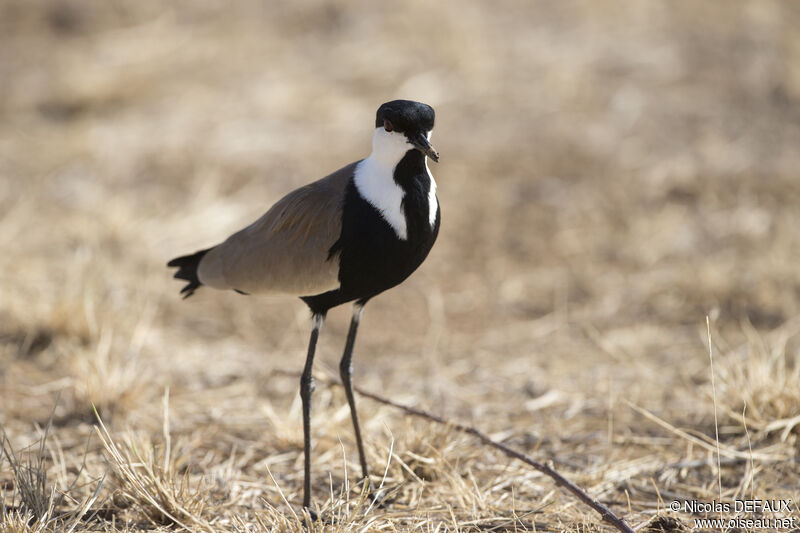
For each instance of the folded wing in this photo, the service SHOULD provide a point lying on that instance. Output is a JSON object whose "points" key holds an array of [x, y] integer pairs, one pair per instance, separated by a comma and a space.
{"points": [[287, 250]]}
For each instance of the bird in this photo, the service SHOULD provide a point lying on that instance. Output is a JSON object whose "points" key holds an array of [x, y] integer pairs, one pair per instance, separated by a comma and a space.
{"points": [[344, 238]]}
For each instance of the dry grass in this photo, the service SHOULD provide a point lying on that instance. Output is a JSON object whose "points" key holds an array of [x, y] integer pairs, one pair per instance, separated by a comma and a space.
{"points": [[38, 502], [612, 173]]}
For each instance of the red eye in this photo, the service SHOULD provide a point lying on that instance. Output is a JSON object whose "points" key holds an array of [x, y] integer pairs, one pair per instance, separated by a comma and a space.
{"points": [[387, 125]]}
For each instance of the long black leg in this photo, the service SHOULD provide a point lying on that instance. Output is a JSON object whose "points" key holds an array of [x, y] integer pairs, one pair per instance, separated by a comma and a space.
{"points": [[346, 373], [306, 389]]}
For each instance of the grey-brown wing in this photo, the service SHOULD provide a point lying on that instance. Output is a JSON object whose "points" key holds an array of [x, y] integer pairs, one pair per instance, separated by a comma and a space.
{"points": [[287, 249]]}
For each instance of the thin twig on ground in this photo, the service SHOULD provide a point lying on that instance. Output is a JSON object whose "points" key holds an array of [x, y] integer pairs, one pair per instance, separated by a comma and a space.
{"points": [[560, 480]]}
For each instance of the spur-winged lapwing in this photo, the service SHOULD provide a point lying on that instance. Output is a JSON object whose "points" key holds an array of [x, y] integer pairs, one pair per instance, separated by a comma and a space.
{"points": [[345, 238]]}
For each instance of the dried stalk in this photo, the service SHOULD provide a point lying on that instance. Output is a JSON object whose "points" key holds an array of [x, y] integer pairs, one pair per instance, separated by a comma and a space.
{"points": [[560, 480]]}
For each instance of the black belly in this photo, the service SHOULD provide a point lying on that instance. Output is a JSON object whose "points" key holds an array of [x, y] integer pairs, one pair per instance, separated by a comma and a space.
{"points": [[372, 258]]}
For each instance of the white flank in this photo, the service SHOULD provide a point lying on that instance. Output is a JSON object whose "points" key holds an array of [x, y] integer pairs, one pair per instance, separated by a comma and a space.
{"points": [[374, 179]]}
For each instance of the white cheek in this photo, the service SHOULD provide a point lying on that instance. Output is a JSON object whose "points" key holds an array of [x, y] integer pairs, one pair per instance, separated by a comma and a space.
{"points": [[389, 146]]}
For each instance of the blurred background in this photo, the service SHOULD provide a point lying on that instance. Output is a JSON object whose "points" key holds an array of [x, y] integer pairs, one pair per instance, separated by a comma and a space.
{"points": [[611, 173]]}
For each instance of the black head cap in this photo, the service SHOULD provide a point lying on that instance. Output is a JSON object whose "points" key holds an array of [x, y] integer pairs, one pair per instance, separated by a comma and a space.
{"points": [[406, 116]]}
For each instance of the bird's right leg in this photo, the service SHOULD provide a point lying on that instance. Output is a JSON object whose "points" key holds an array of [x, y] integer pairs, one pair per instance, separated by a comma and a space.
{"points": [[346, 373], [306, 389]]}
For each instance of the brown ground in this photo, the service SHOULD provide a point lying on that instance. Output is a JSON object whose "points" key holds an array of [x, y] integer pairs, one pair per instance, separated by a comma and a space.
{"points": [[611, 174]]}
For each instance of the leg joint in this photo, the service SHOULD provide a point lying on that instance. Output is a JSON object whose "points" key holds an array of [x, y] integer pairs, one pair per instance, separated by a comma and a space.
{"points": [[346, 369], [307, 385]]}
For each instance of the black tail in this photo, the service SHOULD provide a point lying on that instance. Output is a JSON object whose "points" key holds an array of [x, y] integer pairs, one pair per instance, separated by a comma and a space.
{"points": [[187, 269]]}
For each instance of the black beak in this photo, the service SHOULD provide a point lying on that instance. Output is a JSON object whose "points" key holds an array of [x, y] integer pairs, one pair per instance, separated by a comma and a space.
{"points": [[421, 143]]}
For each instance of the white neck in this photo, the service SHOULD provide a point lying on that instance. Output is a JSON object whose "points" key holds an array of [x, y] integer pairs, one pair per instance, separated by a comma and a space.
{"points": [[374, 179]]}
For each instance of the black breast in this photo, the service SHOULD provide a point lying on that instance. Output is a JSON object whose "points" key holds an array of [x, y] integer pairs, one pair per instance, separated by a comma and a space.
{"points": [[372, 257]]}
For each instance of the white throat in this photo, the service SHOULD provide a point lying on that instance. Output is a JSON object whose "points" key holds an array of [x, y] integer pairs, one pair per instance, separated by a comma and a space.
{"points": [[374, 179]]}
